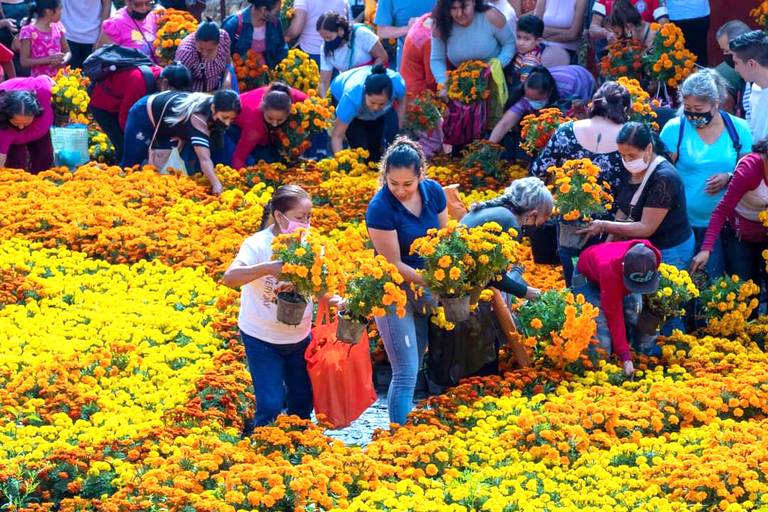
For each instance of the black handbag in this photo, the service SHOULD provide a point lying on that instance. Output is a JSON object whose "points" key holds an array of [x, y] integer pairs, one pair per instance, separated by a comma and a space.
{"points": [[471, 347]]}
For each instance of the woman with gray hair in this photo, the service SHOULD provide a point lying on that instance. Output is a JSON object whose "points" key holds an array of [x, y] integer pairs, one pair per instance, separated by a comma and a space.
{"points": [[526, 202], [705, 144]]}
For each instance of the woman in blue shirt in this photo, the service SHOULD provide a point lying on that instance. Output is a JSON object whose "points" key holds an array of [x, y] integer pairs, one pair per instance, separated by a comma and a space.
{"points": [[363, 96], [705, 144], [258, 28], [403, 210]]}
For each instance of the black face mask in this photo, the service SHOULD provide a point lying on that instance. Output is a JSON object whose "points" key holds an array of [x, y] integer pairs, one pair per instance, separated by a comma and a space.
{"points": [[699, 119], [728, 59], [140, 16], [331, 46]]}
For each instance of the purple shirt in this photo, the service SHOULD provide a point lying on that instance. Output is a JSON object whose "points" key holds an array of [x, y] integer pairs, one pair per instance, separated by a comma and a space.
{"points": [[573, 82]]}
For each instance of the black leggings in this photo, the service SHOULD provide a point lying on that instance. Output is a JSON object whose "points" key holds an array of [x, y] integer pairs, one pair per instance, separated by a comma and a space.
{"points": [[367, 135]]}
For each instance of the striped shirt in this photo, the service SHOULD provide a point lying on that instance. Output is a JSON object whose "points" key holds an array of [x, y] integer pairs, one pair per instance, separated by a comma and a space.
{"points": [[194, 130], [207, 75]]}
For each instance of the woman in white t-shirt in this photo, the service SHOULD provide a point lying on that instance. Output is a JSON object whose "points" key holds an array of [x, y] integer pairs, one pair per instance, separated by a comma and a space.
{"points": [[346, 47], [275, 351], [304, 22]]}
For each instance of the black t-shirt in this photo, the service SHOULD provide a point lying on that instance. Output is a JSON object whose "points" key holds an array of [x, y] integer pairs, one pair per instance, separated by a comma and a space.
{"points": [[664, 189], [195, 130]]}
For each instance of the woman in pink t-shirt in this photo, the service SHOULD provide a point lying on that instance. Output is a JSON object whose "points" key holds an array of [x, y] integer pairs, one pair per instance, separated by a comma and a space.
{"points": [[44, 49], [133, 26], [26, 117]]}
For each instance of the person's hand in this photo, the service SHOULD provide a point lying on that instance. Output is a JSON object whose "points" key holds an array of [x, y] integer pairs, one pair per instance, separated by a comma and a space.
{"points": [[216, 188], [57, 58], [284, 286], [596, 227], [699, 261], [532, 293], [10, 24], [717, 182], [629, 368]]}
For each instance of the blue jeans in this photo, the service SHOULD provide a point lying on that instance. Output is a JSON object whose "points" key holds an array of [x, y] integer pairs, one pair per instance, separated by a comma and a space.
{"points": [[405, 340], [716, 264], [279, 375], [138, 135]]}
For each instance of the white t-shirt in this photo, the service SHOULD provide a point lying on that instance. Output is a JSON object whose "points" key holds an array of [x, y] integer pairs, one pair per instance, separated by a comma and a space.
{"points": [[258, 301], [82, 20], [508, 11], [364, 41], [758, 122], [310, 40]]}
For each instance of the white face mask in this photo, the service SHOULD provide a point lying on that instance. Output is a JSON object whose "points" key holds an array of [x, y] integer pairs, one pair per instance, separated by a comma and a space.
{"points": [[635, 166]]}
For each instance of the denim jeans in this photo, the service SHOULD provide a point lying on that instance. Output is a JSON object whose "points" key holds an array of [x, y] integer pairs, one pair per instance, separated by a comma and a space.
{"points": [[279, 375], [405, 340], [716, 264], [679, 256]]}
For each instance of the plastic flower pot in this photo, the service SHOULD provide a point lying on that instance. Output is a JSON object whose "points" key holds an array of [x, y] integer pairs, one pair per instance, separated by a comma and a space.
{"points": [[647, 322], [290, 308], [350, 330], [456, 308], [568, 237]]}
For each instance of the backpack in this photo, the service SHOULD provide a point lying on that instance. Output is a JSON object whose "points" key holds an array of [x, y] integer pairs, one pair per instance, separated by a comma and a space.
{"points": [[729, 127], [112, 58]]}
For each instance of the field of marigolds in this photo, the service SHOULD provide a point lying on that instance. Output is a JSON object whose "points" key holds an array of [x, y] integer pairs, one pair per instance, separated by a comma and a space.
{"points": [[123, 385]]}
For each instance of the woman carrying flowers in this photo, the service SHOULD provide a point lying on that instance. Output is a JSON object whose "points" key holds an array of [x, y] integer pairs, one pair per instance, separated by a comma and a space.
{"points": [[526, 202], [275, 351], [263, 111], [705, 144], [465, 30], [346, 46], [258, 28], [545, 87], [26, 117], [363, 96], [405, 208], [206, 54], [736, 219]]}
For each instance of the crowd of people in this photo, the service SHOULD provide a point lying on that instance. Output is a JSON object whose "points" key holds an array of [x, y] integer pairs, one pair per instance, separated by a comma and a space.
{"points": [[688, 195]]}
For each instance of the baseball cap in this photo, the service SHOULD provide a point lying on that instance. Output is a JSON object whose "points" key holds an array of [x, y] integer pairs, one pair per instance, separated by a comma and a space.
{"points": [[641, 269]]}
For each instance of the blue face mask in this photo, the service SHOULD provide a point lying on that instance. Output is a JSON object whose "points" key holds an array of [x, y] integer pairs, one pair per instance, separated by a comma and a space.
{"points": [[537, 104]]}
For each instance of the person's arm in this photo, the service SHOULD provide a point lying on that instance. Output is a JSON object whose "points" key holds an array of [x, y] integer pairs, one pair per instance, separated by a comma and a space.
{"points": [[325, 82], [239, 274], [297, 25], [438, 58], [401, 113], [245, 145], [338, 134], [103, 40], [379, 54], [597, 32], [106, 10], [566, 35], [390, 32], [206, 165], [503, 34], [508, 121], [647, 225], [612, 304], [65, 49], [386, 27], [386, 243], [538, 11]]}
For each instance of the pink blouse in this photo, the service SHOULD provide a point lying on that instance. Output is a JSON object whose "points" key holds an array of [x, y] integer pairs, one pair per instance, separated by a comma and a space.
{"points": [[43, 44], [131, 33]]}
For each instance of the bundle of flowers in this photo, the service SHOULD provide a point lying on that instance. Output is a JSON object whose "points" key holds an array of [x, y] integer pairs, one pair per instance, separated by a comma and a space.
{"points": [[299, 71], [287, 13], [538, 128], [173, 26], [623, 58], [423, 112], [641, 108], [727, 305], [483, 159], [559, 327], [491, 252], [308, 118], [311, 263], [468, 83], [350, 162], [373, 288], [100, 148], [579, 192], [675, 290], [251, 72], [760, 13], [668, 62], [69, 96]]}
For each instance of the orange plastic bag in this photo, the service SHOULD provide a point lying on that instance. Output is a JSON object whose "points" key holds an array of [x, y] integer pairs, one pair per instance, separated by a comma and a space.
{"points": [[341, 374]]}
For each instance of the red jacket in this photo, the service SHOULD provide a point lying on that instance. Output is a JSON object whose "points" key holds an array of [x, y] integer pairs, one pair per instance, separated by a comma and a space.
{"points": [[119, 91], [252, 125], [603, 264]]}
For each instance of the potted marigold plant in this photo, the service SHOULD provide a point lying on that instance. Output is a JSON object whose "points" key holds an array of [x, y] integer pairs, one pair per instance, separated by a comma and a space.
{"points": [[538, 128], [491, 251], [727, 305], [310, 265], [299, 71], [675, 289], [641, 104], [69, 97], [172, 27], [559, 327], [371, 289], [423, 113], [579, 195], [307, 118], [668, 62], [251, 72], [623, 58], [483, 159]]}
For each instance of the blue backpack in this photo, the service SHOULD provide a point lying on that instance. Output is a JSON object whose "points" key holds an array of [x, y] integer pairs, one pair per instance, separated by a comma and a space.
{"points": [[729, 127]]}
